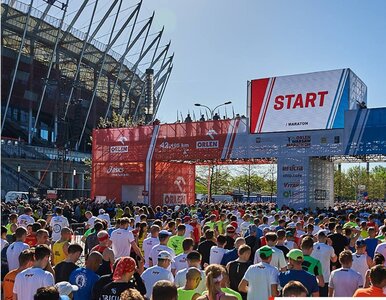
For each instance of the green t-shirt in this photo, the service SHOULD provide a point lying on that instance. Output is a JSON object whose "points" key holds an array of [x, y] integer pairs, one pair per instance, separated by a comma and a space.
{"points": [[220, 227], [175, 242], [382, 238], [312, 265], [211, 225], [185, 294], [88, 232], [350, 224]]}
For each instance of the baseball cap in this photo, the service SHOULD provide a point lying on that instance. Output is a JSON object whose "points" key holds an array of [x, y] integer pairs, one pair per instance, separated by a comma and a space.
{"points": [[165, 255], [165, 232], [186, 219], [230, 229], [289, 233], [234, 224], [66, 288], [101, 211], [266, 250], [295, 254], [194, 216], [361, 243]]}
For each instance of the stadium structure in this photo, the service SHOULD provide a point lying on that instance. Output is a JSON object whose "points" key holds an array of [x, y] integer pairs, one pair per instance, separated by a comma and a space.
{"points": [[58, 81]]}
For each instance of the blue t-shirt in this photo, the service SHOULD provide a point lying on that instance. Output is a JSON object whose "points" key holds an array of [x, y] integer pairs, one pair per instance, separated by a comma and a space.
{"points": [[307, 279], [85, 280], [371, 244], [229, 256]]}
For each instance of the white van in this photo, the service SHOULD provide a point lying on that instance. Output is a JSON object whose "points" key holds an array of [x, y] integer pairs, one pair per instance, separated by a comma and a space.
{"points": [[12, 196]]}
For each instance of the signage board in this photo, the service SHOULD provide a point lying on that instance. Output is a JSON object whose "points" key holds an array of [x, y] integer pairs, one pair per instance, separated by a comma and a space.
{"points": [[304, 102]]}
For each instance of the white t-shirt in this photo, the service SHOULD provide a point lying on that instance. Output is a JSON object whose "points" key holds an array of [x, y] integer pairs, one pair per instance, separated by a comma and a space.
{"points": [[24, 220], [323, 253], [278, 259], [381, 248], [260, 277], [28, 281], [13, 253], [180, 280], [188, 230], [57, 223], [180, 262], [216, 254], [106, 217], [290, 244], [91, 221], [121, 242], [157, 249], [4, 243], [359, 264], [147, 245], [153, 275], [345, 282], [244, 226]]}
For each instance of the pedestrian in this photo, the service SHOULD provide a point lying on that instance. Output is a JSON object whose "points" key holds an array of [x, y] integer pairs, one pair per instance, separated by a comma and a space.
{"points": [[295, 272], [344, 281], [123, 273], [180, 261], [107, 253], [158, 272], [60, 247], [217, 252], [26, 260], [238, 268], [214, 278], [64, 269], [188, 291], [193, 260], [28, 281], [57, 223], [378, 283], [85, 277], [260, 281], [14, 250]]}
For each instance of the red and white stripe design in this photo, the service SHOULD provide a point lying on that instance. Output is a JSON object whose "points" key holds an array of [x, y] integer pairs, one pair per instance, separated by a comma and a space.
{"points": [[230, 139], [261, 92]]}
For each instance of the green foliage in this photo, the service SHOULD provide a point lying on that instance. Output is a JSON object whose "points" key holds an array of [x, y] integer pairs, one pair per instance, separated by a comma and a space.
{"points": [[346, 183], [117, 121]]}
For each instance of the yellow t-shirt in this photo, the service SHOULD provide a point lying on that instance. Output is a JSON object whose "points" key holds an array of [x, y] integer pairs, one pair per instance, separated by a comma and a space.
{"points": [[58, 251]]}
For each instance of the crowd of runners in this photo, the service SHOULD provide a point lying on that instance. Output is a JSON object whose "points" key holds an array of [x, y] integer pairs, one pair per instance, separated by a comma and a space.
{"points": [[206, 251]]}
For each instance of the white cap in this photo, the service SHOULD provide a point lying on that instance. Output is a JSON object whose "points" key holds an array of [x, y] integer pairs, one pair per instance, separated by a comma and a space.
{"points": [[101, 211], [165, 255], [66, 288]]}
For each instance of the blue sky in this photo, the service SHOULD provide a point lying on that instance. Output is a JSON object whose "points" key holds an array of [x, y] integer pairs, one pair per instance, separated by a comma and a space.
{"points": [[220, 44]]}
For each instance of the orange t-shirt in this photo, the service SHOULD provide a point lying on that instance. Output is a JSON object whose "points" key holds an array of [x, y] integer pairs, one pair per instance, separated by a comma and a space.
{"points": [[369, 292], [8, 283]]}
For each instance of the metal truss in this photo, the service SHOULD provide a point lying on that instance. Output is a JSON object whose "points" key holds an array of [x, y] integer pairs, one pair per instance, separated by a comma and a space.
{"points": [[88, 63]]}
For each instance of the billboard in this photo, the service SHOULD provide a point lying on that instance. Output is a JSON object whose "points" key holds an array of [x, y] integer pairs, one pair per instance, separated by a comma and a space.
{"points": [[304, 102]]}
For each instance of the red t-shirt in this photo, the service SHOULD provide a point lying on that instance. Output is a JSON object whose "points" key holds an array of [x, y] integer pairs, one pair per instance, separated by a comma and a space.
{"points": [[31, 240]]}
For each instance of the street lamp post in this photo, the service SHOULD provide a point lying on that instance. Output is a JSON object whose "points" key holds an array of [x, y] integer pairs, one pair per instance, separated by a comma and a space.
{"points": [[212, 110], [18, 177]]}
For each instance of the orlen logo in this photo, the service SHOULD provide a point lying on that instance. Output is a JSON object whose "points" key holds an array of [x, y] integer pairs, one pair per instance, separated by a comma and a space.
{"points": [[293, 101], [119, 149], [207, 144], [115, 170]]}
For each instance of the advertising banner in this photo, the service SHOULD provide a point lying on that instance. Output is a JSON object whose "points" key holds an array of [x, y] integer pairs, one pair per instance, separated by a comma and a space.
{"points": [[174, 184], [304, 102], [292, 182]]}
